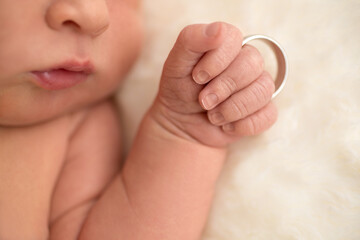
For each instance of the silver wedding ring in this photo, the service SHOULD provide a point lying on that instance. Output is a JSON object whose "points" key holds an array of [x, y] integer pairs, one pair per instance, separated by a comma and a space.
{"points": [[281, 58]]}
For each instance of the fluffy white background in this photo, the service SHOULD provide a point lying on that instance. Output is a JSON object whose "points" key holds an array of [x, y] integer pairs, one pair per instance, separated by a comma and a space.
{"points": [[300, 179]]}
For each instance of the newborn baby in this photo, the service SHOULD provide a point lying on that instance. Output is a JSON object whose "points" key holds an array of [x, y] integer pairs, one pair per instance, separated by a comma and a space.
{"points": [[61, 62]]}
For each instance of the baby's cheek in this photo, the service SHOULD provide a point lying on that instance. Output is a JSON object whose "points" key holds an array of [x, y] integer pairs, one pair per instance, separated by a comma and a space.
{"points": [[122, 44]]}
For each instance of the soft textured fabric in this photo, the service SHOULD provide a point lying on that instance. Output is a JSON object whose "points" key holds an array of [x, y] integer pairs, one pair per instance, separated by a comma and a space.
{"points": [[301, 178]]}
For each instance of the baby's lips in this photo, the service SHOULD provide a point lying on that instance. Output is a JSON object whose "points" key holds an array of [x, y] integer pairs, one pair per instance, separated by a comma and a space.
{"points": [[64, 75], [58, 79]]}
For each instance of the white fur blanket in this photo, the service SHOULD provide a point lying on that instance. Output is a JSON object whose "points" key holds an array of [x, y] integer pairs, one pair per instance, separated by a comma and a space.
{"points": [[300, 179]]}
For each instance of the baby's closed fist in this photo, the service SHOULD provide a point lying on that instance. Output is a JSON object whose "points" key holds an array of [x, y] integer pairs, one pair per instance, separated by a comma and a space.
{"points": [[212, 89]]}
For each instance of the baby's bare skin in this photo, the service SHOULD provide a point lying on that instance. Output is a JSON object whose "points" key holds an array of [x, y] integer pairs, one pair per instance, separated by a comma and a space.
{"points": [[166, 186], [59, 168], [52, 173]]}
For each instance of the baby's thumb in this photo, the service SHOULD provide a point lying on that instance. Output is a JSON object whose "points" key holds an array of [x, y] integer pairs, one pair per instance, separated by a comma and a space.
{"points": [[193, 42]]}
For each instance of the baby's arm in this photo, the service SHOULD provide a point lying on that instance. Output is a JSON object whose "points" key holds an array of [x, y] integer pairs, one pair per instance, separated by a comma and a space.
{"points": [[166, 186], [164, 191]]}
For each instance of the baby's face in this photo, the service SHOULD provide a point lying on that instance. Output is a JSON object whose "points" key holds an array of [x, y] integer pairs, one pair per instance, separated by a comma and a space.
{"points": [[57, 56]]}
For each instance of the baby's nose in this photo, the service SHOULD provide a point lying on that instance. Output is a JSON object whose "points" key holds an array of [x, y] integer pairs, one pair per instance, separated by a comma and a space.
{"points": [[87, 16]]}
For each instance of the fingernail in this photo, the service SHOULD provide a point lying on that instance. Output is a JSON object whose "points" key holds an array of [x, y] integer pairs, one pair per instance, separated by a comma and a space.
{"points": [[216, 118], [202, 77], [210, 100], [230, 127], [212, 29]]}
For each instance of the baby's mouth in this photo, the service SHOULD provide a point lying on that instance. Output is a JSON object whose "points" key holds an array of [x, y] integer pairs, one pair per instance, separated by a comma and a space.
{"points": [[63, 76]]}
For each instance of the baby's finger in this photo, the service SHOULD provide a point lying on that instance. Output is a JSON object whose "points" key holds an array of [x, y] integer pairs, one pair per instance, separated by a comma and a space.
{"points": [[217, 60], [245, 102], [253, 124], [247, 67], [192, 43]]}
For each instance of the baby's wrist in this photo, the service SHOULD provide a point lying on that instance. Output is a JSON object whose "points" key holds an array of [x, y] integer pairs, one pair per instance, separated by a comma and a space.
{"points": [[168, 128], [171, 172]]}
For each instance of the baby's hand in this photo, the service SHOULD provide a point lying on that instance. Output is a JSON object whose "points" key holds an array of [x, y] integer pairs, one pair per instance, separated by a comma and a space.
{"points": [[212, 89]]}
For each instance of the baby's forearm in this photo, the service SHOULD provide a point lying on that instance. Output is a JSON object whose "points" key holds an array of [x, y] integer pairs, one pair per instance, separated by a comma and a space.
{"points": [[169, 183]]}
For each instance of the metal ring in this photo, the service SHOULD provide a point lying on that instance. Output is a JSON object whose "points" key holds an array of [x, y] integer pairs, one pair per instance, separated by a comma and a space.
{"points": [[281, 58]]}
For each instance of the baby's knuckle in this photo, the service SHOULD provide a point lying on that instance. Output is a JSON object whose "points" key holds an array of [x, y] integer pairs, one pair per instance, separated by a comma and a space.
{"points": [[221, 59], [254, 60], [251, 126], [228, 84], [257, 92], [268, 83], [268, 118], [184, 34], [188, 28], [239, 106], [234, 33], [271, 115], [231, 45], [263, 89]]}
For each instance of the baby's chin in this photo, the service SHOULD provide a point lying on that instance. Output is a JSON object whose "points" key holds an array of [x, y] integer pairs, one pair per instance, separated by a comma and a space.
{"points": [[34, 114], [26, 118]]}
